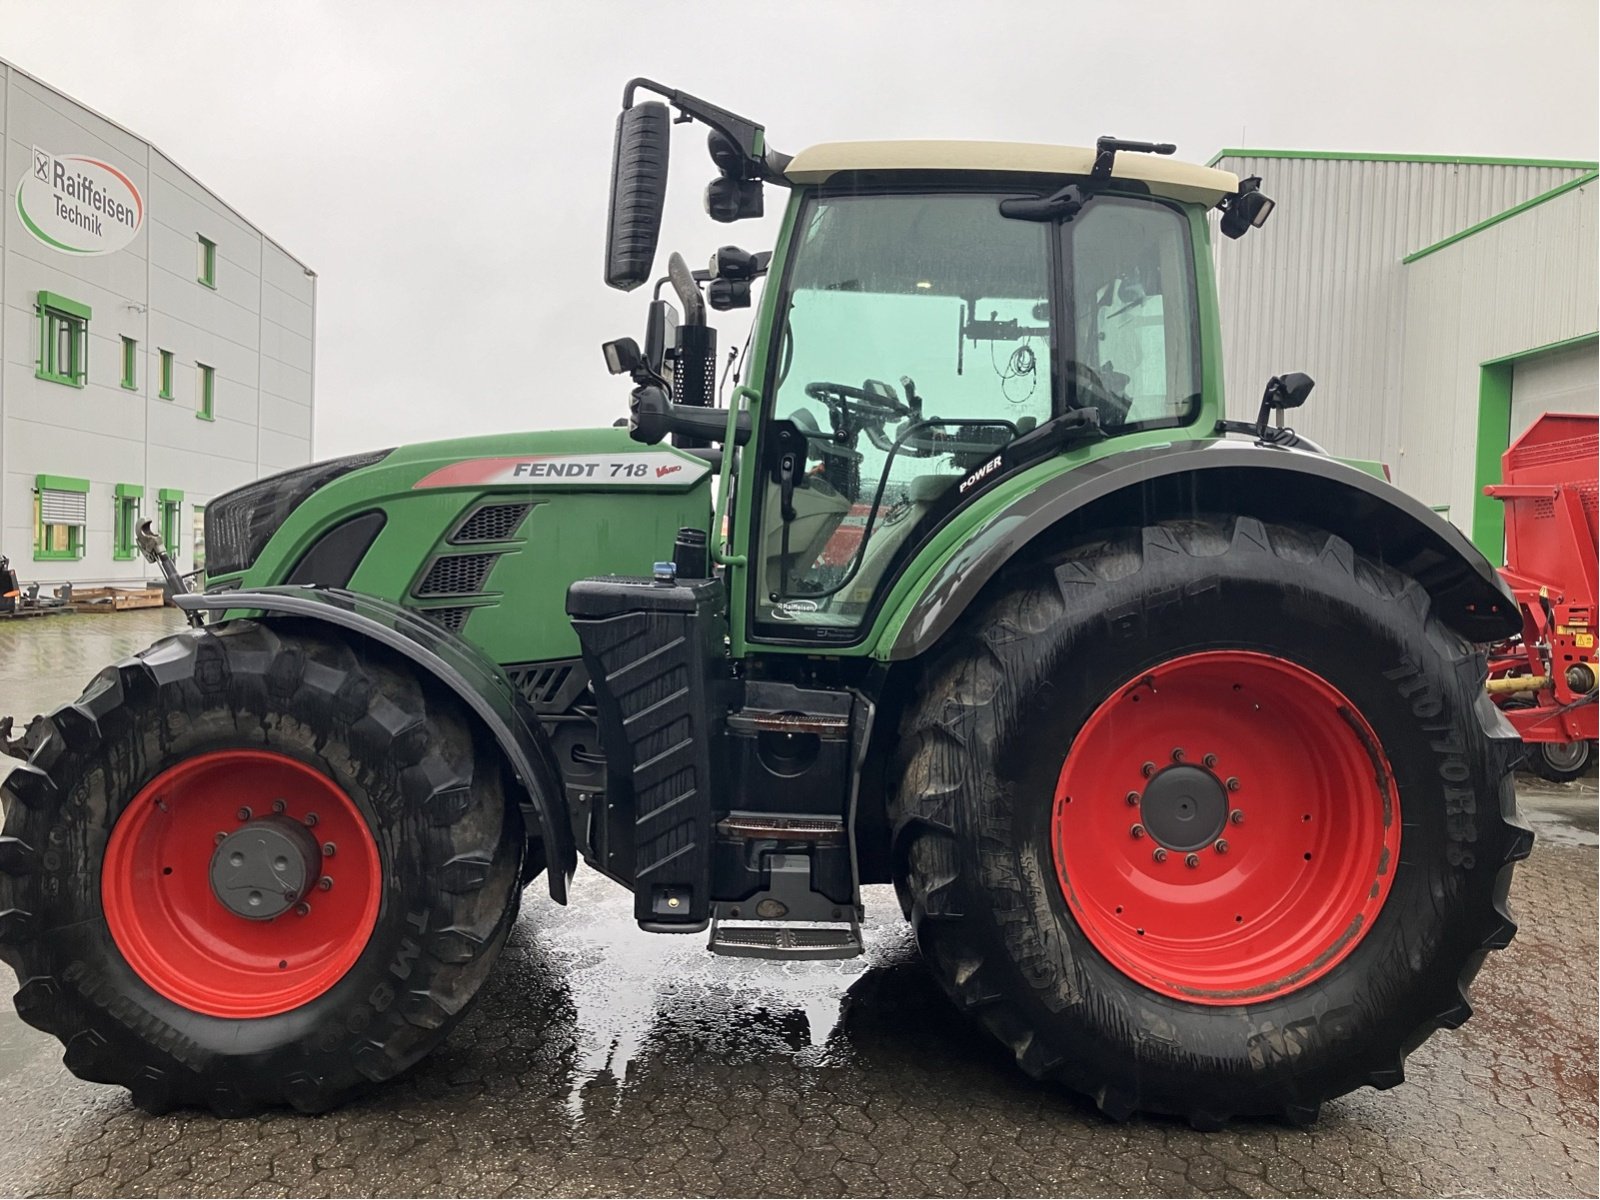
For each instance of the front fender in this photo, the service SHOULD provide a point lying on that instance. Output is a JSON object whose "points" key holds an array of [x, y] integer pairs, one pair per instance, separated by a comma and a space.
{"points": [[1228, 476], [456, 664]]}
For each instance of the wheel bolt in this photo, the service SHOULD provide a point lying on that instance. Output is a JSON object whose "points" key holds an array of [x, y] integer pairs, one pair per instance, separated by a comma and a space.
{"points": [[244, 814], [325, 883], [1222, 846], [1210, 760], [220, 838], [1237, 816], [302, 909], [1160, 855], [1137, 831], [278, 806], [311, 820], [329, 849], [1133, 797], [1177, 754], [1149, 769], [1191, 860], [1233, 783]]}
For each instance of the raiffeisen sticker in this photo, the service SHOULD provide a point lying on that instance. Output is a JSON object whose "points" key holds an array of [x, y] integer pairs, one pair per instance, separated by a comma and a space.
{"points": [[646, 469], [78, 204]]}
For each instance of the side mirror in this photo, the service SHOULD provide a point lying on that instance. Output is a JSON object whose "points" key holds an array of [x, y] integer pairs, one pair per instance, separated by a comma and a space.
{"points": [[660, 330], [638, 193], [1288, 391], [622, 356], [1246, 209], [1283, 392]]}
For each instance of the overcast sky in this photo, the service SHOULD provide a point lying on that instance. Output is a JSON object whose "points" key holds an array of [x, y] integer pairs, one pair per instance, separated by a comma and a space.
{"points": [[443, 167]]}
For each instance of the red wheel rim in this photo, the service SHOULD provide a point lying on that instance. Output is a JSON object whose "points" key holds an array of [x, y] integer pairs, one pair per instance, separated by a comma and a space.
{"points": [[166, 918], [1309, 830]]}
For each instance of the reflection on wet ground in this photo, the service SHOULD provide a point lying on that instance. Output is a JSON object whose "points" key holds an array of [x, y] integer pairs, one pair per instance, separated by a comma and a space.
{"points": [[603, 1060]]}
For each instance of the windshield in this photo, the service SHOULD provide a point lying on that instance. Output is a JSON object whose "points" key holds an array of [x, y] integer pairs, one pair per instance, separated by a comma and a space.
{"points": [[918, 335]]}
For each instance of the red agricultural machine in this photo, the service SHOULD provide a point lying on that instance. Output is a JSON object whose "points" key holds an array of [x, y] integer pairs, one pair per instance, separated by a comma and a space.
{"points": [[1544, 678]]}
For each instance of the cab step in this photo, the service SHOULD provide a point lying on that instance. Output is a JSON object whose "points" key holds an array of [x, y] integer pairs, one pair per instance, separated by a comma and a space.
{"points": [[793, 940]]}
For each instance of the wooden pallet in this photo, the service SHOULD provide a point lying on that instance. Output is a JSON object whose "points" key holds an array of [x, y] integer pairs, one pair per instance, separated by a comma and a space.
{"points": [[150, 597]]}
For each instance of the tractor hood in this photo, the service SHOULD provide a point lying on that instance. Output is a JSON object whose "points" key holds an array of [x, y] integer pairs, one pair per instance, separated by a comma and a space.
{"points": [[452, 528]]}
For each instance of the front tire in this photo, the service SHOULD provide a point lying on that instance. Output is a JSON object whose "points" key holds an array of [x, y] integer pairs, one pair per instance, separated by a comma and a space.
{"points": [[1034, 796], [371, 814]]}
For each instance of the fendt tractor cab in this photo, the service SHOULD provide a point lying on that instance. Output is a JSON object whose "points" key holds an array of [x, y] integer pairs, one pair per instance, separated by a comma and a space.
{"points": [[1169, 731]]}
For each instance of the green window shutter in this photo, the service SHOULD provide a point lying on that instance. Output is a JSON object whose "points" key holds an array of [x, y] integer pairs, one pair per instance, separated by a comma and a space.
{"points": [[166, 375], [130, 364]]}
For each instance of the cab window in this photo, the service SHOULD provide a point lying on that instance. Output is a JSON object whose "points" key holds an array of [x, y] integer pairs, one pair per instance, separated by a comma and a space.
{"points": [[915, 339]]}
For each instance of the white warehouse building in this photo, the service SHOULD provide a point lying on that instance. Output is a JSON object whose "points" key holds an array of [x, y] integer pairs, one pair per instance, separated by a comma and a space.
{"points": [[156, 349], [1441, 304]]}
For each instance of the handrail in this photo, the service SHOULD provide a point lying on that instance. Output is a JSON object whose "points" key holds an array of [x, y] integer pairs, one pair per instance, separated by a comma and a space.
{"points": [[724, 477]]}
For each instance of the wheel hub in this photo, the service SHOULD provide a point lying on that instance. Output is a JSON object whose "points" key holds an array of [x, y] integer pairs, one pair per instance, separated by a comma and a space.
{"points": [[235, 914], [1184, 808], [265, 868], [1225, 828]]}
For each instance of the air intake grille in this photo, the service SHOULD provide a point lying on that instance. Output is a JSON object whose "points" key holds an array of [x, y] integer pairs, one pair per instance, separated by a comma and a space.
{"points": [[491, 523], [451, 618], [549, 686], [457, 575]]}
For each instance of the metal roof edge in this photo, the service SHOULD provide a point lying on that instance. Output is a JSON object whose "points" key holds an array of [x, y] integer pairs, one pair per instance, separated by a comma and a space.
{"points": [[11, 66], [1444, 159], [1514, 210]]}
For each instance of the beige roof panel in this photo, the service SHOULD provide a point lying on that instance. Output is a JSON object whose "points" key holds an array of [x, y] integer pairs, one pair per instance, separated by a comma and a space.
{"points": [[1165, 176]]}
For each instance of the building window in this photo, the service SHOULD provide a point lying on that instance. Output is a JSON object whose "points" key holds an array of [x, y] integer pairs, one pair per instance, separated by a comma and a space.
{"points": [[166, 375], [206, 392], [130, 364], [127, 497], [199, 537], [171, 514], [60, 512], [207, 265], [63, 340]]}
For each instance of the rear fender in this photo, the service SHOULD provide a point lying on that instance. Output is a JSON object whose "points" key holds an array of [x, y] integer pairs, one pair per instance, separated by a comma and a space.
{"points": [[1228, 476], [457, 665]]}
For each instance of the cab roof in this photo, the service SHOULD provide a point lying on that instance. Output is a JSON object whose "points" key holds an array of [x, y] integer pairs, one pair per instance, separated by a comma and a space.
{"points": [[1188, 182]]}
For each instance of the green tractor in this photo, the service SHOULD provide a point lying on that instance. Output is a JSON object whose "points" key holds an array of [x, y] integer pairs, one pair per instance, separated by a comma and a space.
{"points": [[1169, 731]]}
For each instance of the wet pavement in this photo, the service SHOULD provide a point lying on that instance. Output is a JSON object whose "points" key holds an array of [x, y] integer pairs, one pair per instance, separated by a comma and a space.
{"points": [[602, 1060]]}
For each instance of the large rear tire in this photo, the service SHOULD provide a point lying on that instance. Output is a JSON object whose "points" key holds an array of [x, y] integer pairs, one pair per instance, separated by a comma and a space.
{"points": [[1211, 818], [366, 802]]}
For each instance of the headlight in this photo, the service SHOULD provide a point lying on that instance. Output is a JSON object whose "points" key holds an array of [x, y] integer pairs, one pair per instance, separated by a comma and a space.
{"points": [[239, 523]]}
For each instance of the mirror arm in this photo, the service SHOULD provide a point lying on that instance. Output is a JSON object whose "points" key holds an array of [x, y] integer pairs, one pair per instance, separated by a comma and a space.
{"points": [[744, 133]]}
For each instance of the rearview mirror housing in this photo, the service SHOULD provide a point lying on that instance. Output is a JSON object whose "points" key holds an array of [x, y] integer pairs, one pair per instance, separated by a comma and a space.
{"points": [[1246, 209], [1288, 391], [622, 356], [638, 193], [660, 330]]}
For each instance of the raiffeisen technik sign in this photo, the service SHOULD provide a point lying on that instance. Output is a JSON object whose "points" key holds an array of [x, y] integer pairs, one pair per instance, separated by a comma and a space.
{"points": [[78, 204]]}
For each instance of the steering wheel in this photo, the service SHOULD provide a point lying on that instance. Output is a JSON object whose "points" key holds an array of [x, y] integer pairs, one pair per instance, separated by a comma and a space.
{"points": [[865, 405]]}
